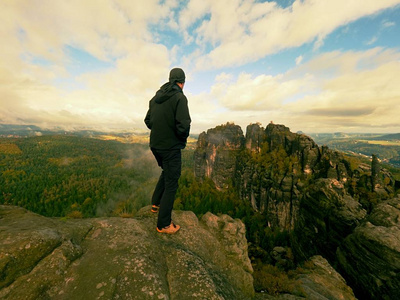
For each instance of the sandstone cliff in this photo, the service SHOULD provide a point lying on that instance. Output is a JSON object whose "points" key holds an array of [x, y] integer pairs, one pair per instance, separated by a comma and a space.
{"points": [[115, 258], [287, 176], [319, 195], [273, 168]]}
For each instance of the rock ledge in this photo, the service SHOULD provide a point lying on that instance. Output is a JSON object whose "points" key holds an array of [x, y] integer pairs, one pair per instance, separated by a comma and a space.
{"points": [[116, 258]]}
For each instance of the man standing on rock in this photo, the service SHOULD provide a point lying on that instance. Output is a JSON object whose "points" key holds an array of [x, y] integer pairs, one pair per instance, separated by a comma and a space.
{"points": [[169, 121]]}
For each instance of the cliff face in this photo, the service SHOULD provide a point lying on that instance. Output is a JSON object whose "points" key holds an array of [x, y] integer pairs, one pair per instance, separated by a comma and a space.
{"points": [[115, 258], [275, 170], [316, 193], [216, 154], [370, 256]]}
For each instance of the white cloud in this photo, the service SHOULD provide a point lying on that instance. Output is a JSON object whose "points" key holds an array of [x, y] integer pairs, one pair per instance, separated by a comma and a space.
{"points": [[372, 40], [193, 12], [263, 92], [335, 91], [387, 24], [223, 77], [115, 31], [359, 100], [299, 59], [247, 31]]}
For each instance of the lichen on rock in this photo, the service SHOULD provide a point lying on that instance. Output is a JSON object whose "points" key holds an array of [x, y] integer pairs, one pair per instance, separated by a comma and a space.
{"points": [[120, 258]]}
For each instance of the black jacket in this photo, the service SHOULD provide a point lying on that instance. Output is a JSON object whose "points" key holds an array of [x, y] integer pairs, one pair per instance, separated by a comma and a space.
{"points": [[168, 118]]}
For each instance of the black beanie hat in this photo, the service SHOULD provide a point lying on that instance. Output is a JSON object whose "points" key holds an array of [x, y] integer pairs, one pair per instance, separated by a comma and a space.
{"points": [[177, 75]]}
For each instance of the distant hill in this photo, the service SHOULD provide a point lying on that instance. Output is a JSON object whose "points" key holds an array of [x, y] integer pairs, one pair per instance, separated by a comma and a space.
{"points": [[388, 137], [17, 129], [5, 127], [11, 130], [140, 136], [385, 146]]}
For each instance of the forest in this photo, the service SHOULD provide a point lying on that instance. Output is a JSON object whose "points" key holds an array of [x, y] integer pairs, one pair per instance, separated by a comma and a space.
{"points": [[69, 176]]}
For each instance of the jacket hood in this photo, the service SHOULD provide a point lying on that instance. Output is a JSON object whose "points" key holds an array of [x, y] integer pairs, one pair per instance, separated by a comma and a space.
{"points": [[166, 91], [177, 75]]}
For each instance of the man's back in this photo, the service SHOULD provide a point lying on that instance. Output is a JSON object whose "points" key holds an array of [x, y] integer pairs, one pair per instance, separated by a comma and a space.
{"points": [[168, 118]]}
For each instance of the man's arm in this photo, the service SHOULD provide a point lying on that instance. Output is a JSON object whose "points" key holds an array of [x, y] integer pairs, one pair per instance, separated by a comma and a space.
{"points": [[147, 118], [182, 118]]}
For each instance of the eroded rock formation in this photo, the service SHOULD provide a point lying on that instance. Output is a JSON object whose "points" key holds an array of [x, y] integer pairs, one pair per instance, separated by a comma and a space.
{"points": [[320, 195], [216, 154], [275, 169]]}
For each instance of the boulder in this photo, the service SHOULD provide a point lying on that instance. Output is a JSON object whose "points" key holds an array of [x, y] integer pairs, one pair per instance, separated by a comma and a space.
{"points": [[323, 282], [317, 280], [370, 257], [122, 258]]}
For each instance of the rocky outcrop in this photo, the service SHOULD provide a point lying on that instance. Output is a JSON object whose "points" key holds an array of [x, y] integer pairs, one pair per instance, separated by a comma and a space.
{"points": [[275, 170], [319, 195], [216, 154], [323, 282], [116, 258], [370, 256], [318, 281]]}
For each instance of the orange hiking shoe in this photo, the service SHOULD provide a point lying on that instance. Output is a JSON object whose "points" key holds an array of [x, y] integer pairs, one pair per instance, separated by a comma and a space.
{"points": [[170, 229], [155, 208]]}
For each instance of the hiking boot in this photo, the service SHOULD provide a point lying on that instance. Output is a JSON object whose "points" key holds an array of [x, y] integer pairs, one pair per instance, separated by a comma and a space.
{"points": [[155, 208], [170, 229]]}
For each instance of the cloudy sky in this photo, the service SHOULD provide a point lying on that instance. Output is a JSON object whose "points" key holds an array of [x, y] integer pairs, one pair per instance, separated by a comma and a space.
{"points": [[312, 65]]}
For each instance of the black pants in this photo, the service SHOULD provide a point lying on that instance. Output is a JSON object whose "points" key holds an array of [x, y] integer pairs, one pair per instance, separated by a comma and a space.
{"points": [[164, 194]]}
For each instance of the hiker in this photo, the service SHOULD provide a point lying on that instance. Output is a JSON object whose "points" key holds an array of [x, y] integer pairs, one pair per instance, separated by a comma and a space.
{"points": [[169, 121]]}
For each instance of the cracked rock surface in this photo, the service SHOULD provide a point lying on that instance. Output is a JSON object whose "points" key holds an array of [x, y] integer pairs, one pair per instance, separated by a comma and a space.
{"points": [[120, 258]]}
